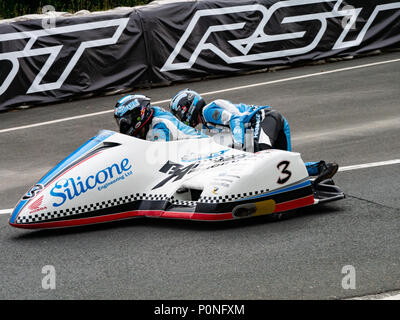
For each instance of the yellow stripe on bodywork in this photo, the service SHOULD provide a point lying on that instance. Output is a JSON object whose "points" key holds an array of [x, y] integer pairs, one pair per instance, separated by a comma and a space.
{"points": [[265, 207]]}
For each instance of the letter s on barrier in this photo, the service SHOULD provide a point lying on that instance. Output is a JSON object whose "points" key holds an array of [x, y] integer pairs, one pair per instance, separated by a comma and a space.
{"points": [[244, 44]]}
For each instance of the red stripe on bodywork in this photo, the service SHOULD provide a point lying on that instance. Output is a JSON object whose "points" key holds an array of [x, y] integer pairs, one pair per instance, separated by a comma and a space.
{"points": [[197, 216], [294, 204], [285, 206], [125, 215]]}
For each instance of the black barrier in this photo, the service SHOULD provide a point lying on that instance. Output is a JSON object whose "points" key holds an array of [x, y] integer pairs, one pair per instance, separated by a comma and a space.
{"points": [[220, 37], [77, 56], [169, 41]]}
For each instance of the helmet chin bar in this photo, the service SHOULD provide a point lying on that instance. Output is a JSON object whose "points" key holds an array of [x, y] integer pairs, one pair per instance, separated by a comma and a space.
{"points": [[196, 117]]}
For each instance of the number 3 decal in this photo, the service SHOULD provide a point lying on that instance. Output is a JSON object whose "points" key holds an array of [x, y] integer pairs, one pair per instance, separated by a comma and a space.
{"points": [[287, 173]]}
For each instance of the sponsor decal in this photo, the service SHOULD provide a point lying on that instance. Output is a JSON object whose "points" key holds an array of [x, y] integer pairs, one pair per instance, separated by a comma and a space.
{"points": [[244, 45], [31, 50], [257, 127], [121, 110], [36, 205], [177, 171], [216, 115], [33, 191], [214, 190], [223, 179], [68, 189], [198, 157]]}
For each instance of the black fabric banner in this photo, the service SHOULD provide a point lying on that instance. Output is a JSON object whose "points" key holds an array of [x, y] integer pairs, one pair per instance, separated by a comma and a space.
{"points": [[76, 57], [168, 41], [219, 37]]}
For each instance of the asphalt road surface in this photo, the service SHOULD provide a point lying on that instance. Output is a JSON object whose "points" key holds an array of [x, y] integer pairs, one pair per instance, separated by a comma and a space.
{"points": [[350, 115]]}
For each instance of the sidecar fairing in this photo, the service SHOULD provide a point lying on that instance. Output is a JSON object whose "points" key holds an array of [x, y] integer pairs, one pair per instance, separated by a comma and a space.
{"points": [[114, 176]]}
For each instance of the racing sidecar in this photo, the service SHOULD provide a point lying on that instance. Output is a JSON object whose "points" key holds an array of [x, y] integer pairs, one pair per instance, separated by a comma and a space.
{"points": [[115, 176]]}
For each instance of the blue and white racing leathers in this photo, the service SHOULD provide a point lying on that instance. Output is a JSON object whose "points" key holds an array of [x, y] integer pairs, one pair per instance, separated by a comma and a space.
{"points": [[165, 127], [271, 129], [240, 117]]}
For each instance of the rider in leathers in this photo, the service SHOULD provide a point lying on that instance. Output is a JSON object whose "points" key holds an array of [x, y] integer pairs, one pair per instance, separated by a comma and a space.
{"points": [[270, 128]]}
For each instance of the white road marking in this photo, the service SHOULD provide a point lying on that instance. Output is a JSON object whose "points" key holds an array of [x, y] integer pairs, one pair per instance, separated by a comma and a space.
{"points": [[211, 93], [348, 168], [321, 73], [54, 121], [370, 165]]}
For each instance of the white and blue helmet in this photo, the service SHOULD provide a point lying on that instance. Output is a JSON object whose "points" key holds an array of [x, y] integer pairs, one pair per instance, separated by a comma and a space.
{"points": [[186, 106]]}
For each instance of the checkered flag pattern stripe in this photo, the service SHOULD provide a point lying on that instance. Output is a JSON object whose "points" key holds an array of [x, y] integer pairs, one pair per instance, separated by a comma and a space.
{"points": [[231, 197], [39, 217], [182, 202], [45, 216]]}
